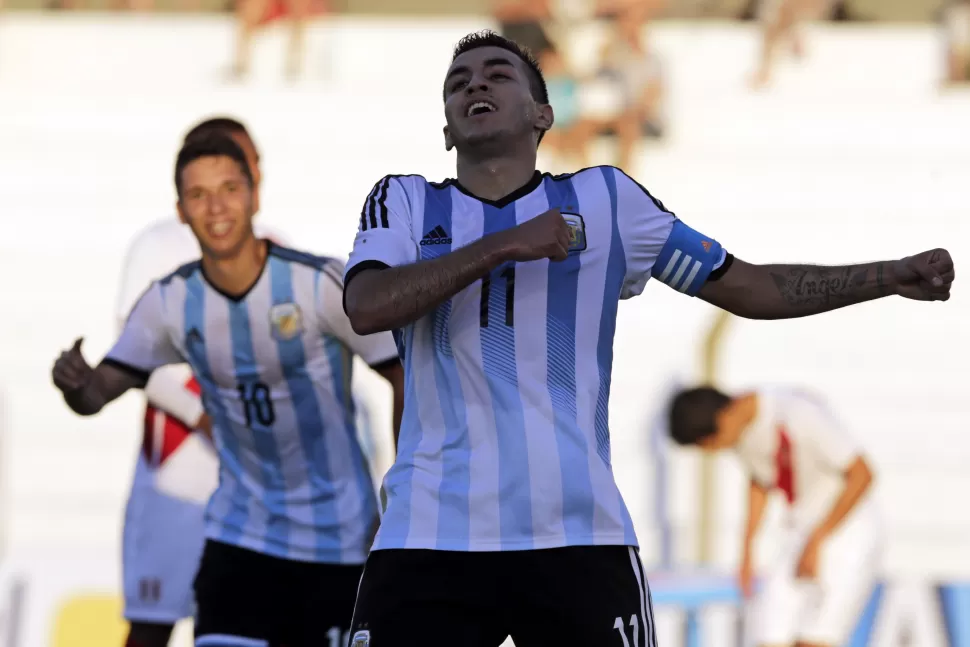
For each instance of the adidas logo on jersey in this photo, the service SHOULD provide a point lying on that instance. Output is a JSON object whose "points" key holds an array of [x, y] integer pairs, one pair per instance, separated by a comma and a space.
{"points": [[437, 236]]}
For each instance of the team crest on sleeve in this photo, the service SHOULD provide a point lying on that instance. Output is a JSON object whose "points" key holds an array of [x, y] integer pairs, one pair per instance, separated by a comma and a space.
{"points": [[361, 639], [286, 321], [577, 231]]}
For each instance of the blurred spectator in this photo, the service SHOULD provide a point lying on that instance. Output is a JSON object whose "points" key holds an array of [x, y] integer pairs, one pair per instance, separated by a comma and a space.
{"points": [[521, 21], [782, 20], [956, 29], [570, 133], [625, 97], [253, 14]]}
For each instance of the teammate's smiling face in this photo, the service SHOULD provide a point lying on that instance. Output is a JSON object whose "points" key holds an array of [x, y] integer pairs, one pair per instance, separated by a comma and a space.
{"points": [[217, 203], [488, 97]]}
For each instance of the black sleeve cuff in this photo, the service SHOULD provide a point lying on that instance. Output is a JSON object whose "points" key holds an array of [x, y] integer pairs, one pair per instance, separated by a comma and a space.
{"points": [[386, 364], [721, 271], [357, 269], [134, 371]]}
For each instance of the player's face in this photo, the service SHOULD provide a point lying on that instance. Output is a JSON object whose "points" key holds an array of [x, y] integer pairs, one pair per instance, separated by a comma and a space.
{"points": [[488, 98], [727, 429], [217, 203]]}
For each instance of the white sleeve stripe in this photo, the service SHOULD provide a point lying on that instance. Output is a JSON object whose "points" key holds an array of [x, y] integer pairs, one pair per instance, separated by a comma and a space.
{"points": [[690, 277], [680, 270], [670, 266]]}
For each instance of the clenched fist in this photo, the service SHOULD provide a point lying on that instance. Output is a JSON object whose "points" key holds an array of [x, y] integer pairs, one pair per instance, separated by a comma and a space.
{"points": [[71, 373], [926, 276], [545, 236]]}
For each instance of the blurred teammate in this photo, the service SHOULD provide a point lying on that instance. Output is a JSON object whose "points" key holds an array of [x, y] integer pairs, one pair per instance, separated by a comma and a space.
{"points": [[262, 327], [503, 516], [790, 442], [176, 470]]}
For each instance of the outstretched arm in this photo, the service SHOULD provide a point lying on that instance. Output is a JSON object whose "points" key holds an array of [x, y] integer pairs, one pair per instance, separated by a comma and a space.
{"points": [[789, 291], [87, 390]]}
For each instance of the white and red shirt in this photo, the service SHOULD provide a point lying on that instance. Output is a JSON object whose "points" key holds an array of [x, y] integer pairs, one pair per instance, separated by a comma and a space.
{"points": [[796, 445]]}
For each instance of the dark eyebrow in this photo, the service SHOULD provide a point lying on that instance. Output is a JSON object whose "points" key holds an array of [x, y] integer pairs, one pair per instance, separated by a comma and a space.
{"points": [[491, 62]]}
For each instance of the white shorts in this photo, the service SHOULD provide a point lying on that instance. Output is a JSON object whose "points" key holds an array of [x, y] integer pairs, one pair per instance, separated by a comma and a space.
{"points": [[824, 611], [161, 548]]}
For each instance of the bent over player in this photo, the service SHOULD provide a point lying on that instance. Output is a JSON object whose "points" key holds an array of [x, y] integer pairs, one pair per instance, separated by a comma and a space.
{"points": [[789, 441], [263, 330], [503, 516]]}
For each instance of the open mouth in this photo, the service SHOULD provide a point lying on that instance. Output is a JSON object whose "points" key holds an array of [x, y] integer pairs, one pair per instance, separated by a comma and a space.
{"points": [[480, 108], [219, 229]]}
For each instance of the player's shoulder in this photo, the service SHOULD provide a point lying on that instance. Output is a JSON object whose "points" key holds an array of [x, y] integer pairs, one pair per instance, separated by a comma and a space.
{"points": [[326, 264], [400, 183], [800, 404], [183, 272], [618, 181]]}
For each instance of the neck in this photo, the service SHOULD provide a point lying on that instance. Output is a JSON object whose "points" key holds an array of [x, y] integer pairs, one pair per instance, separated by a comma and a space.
{"points": [[743, 410], [236, 273], [493, 178]]}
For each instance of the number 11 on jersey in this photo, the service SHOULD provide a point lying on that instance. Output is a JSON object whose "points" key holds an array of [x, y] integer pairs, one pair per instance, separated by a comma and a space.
{"points": [[509, 275]]}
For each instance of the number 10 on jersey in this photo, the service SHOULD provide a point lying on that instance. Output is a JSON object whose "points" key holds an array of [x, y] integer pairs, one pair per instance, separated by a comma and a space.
{"points": [[257, 404], [509, 275]]}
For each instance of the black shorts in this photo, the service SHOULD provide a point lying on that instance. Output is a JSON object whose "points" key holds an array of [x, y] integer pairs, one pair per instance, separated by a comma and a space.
{"points": [[582, 596], [245, 594]]}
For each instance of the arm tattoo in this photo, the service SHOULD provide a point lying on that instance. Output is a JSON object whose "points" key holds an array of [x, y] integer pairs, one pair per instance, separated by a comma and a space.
{"points": [[880, 281], [808, 285]]}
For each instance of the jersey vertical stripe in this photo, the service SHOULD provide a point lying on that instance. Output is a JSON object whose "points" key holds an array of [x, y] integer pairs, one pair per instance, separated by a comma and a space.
{"points": [[505, 439], [498, 348], [616, 270], [292, 357], [453, 486], [563, 300], [270, 519]]}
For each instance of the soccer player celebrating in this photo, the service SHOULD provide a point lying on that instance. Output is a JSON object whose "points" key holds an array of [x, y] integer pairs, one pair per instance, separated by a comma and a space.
{"points": [[263, 330], [789, 441], [503, 516], [164, 534]]}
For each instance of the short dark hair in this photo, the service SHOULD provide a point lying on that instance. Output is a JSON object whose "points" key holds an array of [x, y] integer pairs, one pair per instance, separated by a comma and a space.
{"points": [[214, 145], [216, 125], [488, 38], [693, 414]]}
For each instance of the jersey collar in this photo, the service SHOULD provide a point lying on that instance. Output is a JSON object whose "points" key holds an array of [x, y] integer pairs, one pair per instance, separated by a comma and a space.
{"points": [[521, 192]]}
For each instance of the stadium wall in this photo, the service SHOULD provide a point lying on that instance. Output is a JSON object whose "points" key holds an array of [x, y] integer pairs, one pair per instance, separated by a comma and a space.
{"points": [[853, 155]]}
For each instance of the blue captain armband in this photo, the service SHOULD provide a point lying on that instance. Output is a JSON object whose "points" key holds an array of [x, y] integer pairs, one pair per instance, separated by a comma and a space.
{"points": [[687, 259]]}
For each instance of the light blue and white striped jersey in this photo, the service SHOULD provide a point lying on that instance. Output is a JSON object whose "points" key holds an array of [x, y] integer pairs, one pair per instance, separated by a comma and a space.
{"points": [[504, 443], [275, 370]]}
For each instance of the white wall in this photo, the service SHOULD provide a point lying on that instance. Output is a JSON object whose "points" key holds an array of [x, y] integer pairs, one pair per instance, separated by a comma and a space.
{"points": [[852, 156]]}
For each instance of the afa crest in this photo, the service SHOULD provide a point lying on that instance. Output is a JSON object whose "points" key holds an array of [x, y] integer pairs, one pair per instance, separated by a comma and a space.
{"points": [[361, 639], [577, 231], [286, 321]]}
